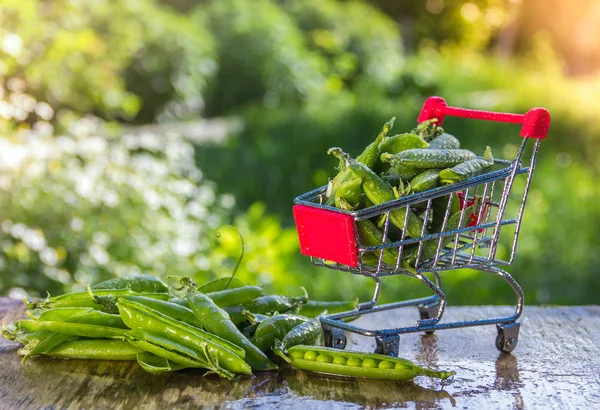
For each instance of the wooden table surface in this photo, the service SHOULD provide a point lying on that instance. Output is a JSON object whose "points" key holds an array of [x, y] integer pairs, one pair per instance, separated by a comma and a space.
{"points": [[555, 366]]}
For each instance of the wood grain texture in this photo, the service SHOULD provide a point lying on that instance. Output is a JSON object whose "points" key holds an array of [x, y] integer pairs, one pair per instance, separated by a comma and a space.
{"points": [[556, 365]]}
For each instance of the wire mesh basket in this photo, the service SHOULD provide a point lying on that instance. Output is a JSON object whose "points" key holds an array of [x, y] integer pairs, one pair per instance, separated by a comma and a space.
{"points": [[486, 207]]}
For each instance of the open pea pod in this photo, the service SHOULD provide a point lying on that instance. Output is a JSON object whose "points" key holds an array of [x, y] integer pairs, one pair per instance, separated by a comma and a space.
{"points": [[356, 364]]}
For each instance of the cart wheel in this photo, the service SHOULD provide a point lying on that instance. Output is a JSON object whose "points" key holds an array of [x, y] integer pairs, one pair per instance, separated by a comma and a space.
{"points": [[508, 337], [388, 345], [334, 337], [427, 312]]}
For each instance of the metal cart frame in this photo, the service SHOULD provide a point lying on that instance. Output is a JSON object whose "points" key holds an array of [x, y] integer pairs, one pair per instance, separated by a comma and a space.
{"points": [[329, 236]]}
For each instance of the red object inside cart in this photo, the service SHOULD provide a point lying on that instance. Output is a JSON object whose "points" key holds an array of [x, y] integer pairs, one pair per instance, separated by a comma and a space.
{"points": [[475, 217], [326, 234]]}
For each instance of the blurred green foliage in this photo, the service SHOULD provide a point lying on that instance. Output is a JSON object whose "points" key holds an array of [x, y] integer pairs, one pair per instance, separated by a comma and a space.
{"points": [[117, 60], [81, 208], [304, 75]]}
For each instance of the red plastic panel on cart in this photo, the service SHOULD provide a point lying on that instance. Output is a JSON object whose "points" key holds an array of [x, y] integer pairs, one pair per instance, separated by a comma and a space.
{"points": [[326, 234]]}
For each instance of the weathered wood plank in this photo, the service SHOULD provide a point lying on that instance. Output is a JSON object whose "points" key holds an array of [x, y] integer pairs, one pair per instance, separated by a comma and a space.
{"points": [[557, 365]]}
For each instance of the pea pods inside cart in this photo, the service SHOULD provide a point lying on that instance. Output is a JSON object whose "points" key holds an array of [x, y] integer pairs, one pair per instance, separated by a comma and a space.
{"points": [[453, 218]]}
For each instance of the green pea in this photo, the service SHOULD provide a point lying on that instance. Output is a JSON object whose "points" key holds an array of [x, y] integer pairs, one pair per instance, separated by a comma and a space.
{"points": [[310, 355], [324, 358], [298, 354], [402, 366], [384, 364], [354, 362], [370, 363], [340, 360]]}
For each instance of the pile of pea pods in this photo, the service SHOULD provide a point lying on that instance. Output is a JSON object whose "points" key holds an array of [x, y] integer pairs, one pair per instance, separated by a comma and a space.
{"points": [[395, 166], [223, 326]]}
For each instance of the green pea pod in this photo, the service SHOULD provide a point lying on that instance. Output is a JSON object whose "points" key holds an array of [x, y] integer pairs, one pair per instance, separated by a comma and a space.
{"points": [[255, 320], [139, 283], [137, 316], [84, 299], [79, 329], [432, 158], [468, 169], [219, 352], [274, 303], [26, 338], [370, 235], [369, 157], [398, 171], [18, 334], [44, 344], [87, 316], [167, 308], [314, 308], [379, 192], [429, 248], [221, 284], [350, 192], [95, 349], [401, 142], [444, 141], [156, 364], [307, 333], [236, 296], [168, 349], [425, 180], [180, 301], [439, 206], [228, 297], [275, 328], [355, 364], [216, 321]]}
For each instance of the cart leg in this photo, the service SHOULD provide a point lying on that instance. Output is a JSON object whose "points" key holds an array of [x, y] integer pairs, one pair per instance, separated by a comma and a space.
{"points": [[388, 345], [334, 337], [441, 302], [429, 311], [508, 336]]}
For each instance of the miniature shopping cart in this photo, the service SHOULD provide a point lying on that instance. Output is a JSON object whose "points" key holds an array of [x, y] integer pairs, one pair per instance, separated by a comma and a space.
{"points": [[491, 207]]}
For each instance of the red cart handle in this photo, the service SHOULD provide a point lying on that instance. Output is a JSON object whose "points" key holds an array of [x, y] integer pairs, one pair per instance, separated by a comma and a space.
{"points": [[535, 121]]}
